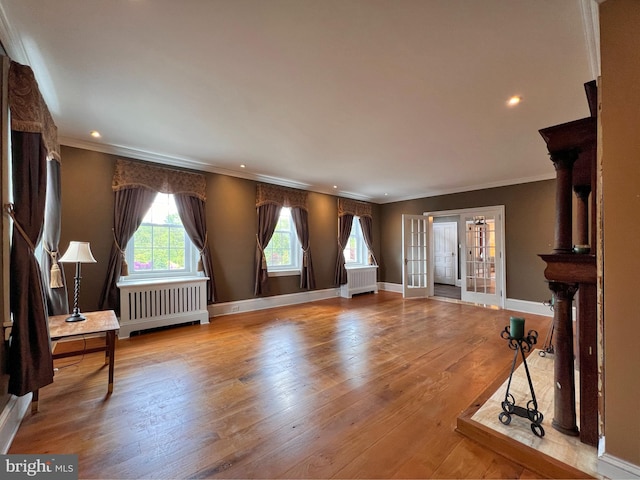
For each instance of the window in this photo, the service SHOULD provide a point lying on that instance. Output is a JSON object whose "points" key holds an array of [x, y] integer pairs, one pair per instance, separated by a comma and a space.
{"points": [[284, 251], [356, 251], [160, 246]]}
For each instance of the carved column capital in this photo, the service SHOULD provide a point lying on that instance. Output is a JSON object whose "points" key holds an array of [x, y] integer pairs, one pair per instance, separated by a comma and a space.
{"points": [[564, 159], [563, 291], [582, 191]]}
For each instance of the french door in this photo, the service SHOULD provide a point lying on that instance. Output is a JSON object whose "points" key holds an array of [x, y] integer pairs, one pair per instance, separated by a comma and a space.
{"points": [[415, 255], [483, 265]]}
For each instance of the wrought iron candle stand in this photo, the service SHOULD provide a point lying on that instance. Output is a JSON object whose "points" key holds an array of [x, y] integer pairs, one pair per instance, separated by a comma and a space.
{"points": [[509, 407], [548, 347]]}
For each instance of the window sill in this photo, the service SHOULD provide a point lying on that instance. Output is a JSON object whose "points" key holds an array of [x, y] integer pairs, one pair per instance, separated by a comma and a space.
{"points": [[283, 273], [128, 281]]}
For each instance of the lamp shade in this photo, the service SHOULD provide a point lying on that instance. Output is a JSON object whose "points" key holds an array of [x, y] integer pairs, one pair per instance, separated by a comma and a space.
{"points": [[78, 252]]}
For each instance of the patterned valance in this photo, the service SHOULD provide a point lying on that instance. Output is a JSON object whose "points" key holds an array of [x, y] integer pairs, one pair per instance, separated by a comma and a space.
{"points": [[347, 206], [130, 174], [285, 197], [29, 112]]}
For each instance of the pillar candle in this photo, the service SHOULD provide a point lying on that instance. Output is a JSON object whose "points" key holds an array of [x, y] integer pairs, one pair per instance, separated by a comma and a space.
{"points": [[516, 327]]}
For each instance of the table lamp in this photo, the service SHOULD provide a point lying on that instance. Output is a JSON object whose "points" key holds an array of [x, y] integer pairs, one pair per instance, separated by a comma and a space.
{"points": [[78, 252]]}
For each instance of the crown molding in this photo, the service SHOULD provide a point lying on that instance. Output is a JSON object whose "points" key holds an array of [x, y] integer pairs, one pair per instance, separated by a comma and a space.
{"points": [[192, 164], [470, 188], [11, 41], [591, 26]]}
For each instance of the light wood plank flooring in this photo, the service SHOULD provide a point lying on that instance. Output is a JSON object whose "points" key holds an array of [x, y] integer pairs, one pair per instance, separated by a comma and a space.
{"points": [[368, 387]]}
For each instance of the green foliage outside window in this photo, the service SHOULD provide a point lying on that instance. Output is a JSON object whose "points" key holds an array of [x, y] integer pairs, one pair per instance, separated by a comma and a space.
{"points": [[160, 244], [278, 252], [159, 247]]}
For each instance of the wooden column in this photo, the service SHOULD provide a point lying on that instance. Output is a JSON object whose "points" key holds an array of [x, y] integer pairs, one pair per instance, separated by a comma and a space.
{"points": [[564, 419], [582, 214], [563, 162], [587, 341], [572, 147]]}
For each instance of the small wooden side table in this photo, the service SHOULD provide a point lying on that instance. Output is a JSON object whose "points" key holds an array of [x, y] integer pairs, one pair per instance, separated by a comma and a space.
{"points": [[96, 322]]}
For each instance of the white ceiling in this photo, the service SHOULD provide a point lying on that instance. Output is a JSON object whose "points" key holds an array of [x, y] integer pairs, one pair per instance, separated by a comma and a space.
{"points": [[399, 97]]}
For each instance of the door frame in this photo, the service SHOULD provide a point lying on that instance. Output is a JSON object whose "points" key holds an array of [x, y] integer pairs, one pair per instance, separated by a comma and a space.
{"points": [[501, 280]]}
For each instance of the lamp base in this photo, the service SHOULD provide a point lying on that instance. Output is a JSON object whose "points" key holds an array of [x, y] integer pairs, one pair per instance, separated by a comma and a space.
{"points": [[75, 317]]}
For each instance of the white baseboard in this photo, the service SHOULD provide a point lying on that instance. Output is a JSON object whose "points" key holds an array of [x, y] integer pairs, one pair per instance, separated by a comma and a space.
{"points": [[390, 287], [262, 303], [526, 306], [612, 467], [523, 306], [10, 418]]}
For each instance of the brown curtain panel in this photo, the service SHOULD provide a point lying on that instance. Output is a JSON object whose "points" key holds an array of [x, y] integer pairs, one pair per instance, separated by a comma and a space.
{"points": [[57, 299], [130, 207], [191, 211], [366, 223], [268, 215], [345, 222], [301, 221], [30, 364]]}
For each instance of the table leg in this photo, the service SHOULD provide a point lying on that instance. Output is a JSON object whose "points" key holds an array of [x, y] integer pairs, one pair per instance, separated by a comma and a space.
{"points": [[111, 351]]}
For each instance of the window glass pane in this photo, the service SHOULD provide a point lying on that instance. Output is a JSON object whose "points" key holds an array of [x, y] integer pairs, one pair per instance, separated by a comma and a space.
{"points": [[351, 250], [160, 244], [176, 238], [143, 259], [356, 250], [282, 251], [143, 236]]}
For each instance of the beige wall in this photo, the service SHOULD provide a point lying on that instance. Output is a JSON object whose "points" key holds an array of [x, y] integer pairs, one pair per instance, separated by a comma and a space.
{"points": [[529, 217], [87, 214], [620, 123]]}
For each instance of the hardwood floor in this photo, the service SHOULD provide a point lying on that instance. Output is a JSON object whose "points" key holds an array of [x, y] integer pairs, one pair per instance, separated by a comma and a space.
{"points": [[368, 387]]}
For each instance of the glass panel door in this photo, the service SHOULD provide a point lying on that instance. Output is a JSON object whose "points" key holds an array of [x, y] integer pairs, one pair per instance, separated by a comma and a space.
{"points": [[483, 265], [415, 253]]}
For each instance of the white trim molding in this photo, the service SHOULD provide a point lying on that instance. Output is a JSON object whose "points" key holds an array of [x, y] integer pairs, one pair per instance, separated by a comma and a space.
{"points": [[591, 26], [10, 418], [526, 306], [390, 287], [523, 306], [11, 41], [613, 467], [262, 303], [198, 165]]}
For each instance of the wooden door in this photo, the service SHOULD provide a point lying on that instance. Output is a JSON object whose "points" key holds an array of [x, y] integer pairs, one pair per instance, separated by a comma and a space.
{"points": [[445, 249]]}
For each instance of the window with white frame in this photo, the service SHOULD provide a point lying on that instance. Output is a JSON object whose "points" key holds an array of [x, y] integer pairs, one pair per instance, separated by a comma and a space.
{"points": [[161, 247], [356, 251], [283, 251]]}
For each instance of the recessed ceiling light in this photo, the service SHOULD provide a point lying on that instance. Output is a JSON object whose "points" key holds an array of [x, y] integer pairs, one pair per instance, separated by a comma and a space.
{"points": [[95, 134], [335, 186], [515, 100], [242, 165]]}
